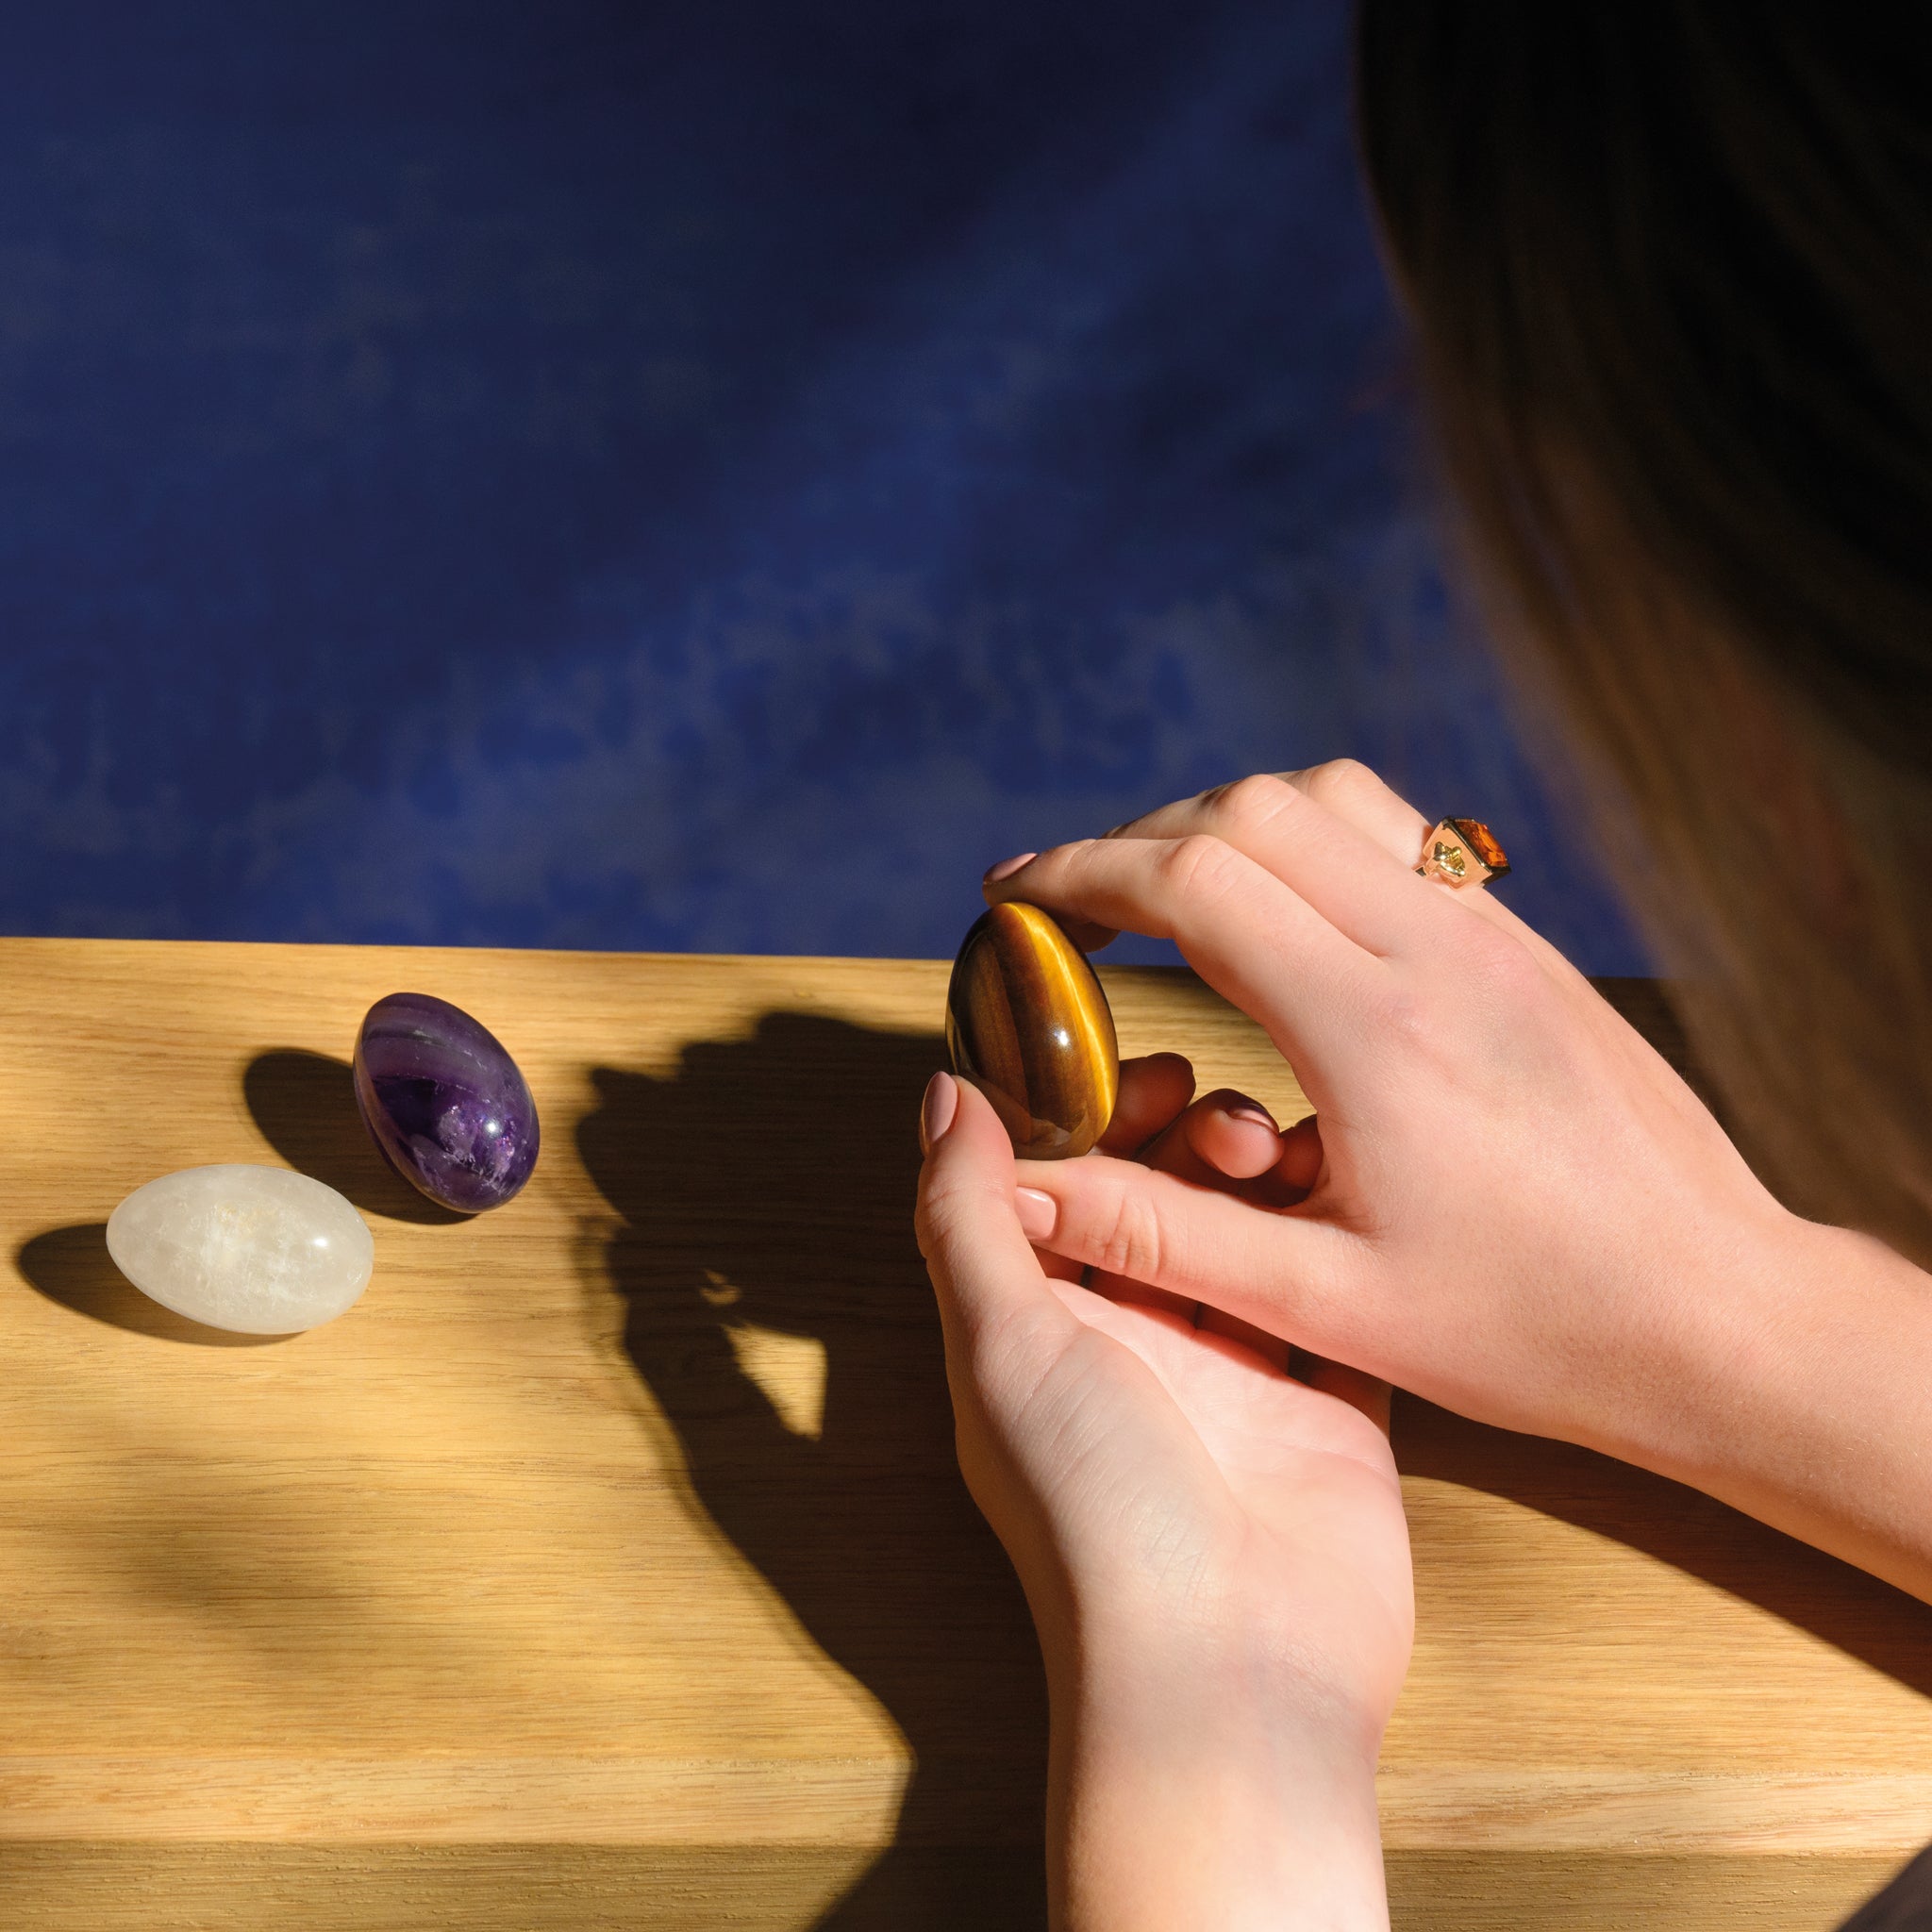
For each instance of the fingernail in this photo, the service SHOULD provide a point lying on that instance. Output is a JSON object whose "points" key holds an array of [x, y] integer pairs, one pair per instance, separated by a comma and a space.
{"points": [[1037, 1212], [1006, 868], [1254, 1110], [937, 1110]]}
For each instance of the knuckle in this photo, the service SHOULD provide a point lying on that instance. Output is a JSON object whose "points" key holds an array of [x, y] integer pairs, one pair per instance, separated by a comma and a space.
{"points": [[1340, 782], [1073, 862], [1128, 1240], [945, 1214], [1197, 867], [1251, 804], [1485, 986], [929, 1224], [1400, 1014], [1500, 967]]}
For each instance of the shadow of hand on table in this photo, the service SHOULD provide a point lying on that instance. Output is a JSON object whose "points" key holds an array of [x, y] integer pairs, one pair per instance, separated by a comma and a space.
{"points": [[1854, 1613], [1851, 1611], [766, 1190]]}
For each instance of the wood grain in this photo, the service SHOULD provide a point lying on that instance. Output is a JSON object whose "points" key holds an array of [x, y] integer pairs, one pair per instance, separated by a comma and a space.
{"points": [[608, 1566]]}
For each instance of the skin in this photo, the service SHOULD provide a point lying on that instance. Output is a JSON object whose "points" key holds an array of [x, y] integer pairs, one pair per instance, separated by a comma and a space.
{"points": [[1506, 1201], [1214, 1555]]}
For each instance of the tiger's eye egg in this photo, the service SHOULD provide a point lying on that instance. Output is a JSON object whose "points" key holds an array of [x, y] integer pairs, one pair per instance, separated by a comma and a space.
{"points": [[444, 1102], [1027, 1023]]}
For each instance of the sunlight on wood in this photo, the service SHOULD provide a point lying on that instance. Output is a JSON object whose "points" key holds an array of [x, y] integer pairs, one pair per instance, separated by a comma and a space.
{"points": [[788, 1371], [609, 1563]]}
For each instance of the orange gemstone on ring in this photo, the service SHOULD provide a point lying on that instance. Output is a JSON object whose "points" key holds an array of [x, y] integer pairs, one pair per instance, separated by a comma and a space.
{"points": [[1482, 844]]}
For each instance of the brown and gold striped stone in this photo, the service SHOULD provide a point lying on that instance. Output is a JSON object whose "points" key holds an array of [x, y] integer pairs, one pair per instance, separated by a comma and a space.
{"points": [[1027, 1023]]}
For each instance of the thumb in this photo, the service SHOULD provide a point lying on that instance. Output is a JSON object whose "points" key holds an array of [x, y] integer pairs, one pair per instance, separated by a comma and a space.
{"points": [[1289, 1274], [981, 1261]]}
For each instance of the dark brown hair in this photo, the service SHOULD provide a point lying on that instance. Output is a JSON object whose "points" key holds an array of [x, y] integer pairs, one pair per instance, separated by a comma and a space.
{"points": [[1670, 267]]}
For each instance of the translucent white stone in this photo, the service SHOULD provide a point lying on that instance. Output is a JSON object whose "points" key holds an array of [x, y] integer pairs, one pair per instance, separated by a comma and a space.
{"points": [[258, 1250]]}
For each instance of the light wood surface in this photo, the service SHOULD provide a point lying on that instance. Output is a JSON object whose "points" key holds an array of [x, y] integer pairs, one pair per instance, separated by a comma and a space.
{"points": [[607, 1566]]}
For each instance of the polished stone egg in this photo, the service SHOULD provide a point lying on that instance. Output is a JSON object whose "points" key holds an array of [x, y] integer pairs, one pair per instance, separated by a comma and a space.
{"points": [[446, 1103], [1027, 1023], [256, 1250]]}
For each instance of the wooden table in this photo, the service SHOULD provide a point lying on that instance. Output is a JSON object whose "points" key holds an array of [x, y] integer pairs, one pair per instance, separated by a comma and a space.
{"points": [[607, 1566]]}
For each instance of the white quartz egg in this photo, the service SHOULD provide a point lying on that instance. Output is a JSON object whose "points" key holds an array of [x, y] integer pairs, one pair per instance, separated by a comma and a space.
{"points": [[257, 1250]]}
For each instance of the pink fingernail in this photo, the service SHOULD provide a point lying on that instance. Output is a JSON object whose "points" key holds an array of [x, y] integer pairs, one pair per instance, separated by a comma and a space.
{"points": [[1006, 868], [937, 1110], [1038, 1213], [1259, 1115]]}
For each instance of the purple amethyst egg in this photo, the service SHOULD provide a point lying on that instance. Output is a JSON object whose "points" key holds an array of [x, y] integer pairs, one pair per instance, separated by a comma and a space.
{"points": [[444, 1102]]}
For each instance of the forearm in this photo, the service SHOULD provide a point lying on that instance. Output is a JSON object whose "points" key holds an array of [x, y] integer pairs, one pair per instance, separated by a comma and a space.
{"points": [[1804, 1398], [1196, 1793]]}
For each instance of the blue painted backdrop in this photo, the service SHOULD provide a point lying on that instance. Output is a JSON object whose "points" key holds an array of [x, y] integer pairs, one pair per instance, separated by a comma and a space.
{"points": [[616, 474]]}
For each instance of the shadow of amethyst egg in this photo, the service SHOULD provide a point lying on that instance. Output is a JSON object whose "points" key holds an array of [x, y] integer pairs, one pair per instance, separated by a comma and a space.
{"points": [[444, 1102]]}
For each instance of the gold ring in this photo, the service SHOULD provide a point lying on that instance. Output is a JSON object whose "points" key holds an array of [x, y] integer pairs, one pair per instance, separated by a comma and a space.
{"points": [[1461, 852]]}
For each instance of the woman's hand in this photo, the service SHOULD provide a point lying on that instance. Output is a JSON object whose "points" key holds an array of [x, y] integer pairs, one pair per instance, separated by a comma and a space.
{"points": [[1215, 1554], [1506, 1200]]}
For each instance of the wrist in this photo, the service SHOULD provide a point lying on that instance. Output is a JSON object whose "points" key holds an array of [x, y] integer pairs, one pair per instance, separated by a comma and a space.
{"points": [[1796, 1395], [1204, 1781], [1669, 1388]]}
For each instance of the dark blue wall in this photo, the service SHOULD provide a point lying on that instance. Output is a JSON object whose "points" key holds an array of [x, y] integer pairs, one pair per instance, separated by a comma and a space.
{"points": [[701, 476]]}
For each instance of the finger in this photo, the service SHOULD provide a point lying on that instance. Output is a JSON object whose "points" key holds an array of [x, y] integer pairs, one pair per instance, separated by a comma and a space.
{"points": [[1249, 936], [1083, 932], [1230, 1141], [1354, 793], [1154, 1090], [1153, 1093], [1300, 1165], [981, 1263], [1228, 1135], [1348, 874], [1287, 1273], [1346, 787], [1223, 1136]]}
